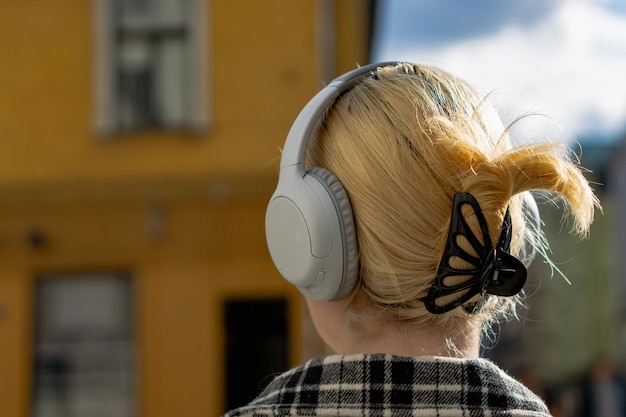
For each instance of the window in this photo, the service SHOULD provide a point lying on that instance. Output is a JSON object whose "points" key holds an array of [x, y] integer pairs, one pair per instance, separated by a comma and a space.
{"points": [[84, 346], [150, 65]]}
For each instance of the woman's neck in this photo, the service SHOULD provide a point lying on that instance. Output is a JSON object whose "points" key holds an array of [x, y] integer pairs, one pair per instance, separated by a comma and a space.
{"points": [[365, 329], [404, 339]]}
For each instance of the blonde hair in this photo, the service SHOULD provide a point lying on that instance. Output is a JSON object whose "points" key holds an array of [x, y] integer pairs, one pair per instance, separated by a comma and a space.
{"points": [[406, 140]]}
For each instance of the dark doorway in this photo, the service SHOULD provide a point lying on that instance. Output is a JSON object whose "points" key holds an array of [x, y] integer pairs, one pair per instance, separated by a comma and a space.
{"points": [[256, 347]]}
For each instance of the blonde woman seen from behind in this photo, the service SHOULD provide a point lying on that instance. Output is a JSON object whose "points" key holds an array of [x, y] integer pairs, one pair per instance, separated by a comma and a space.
{"points": [[403, 215]]}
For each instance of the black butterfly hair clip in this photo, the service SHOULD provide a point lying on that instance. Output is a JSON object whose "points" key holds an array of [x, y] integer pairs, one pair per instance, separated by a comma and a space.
{"points": [[495, 271]]}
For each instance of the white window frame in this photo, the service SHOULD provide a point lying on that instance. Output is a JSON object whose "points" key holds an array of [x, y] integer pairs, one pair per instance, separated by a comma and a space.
{"points": [[198, 114]]}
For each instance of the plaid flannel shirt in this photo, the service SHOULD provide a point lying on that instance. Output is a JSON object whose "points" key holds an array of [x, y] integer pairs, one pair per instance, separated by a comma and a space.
{"points": [[391, 386]]}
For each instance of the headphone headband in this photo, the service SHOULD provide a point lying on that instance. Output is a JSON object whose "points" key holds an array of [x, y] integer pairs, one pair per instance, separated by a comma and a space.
{"points": [[297, 140]]}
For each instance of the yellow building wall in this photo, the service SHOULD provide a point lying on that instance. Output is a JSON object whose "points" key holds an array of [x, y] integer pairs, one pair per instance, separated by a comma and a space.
{"points": [[204, 253], [260, 58], [96, 200]]}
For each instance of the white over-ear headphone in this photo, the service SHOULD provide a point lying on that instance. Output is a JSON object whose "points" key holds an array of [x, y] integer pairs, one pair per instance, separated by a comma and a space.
{"points": [[309, 224]]}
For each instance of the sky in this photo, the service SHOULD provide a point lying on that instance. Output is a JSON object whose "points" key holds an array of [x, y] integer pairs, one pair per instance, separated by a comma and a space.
{"points": [[565, 59]]}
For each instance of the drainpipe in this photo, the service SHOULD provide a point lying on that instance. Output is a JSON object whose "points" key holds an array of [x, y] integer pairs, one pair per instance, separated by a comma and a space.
{"points": [[326, 40]]}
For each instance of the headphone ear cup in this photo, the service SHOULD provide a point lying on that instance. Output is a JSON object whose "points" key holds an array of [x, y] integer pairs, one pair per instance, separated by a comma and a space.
{"points": [[343, 210], [311, 236]]}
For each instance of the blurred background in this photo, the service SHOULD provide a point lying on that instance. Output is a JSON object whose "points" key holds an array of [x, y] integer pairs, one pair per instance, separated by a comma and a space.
{"points": [[139, 144]]}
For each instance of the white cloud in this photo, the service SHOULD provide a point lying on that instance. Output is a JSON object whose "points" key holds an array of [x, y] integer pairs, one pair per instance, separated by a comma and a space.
{"points": [[571, 65]]}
